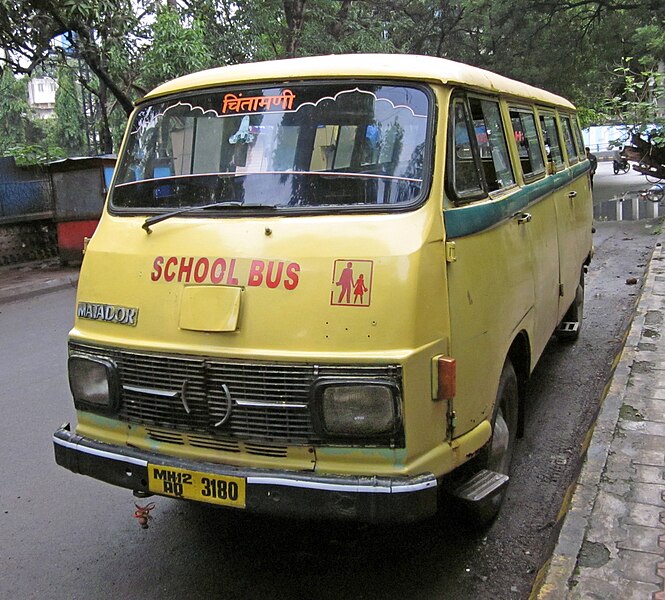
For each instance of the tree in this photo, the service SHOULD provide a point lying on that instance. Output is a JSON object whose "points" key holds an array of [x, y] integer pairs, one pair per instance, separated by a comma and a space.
{"points": [[22, 134], [638, 107], [69, 127], [14, 111], [99, 33], [125, 47], [175, 50]]}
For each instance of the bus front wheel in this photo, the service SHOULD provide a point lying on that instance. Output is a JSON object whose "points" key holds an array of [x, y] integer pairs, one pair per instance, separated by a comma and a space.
{"points": [[497, 455]]}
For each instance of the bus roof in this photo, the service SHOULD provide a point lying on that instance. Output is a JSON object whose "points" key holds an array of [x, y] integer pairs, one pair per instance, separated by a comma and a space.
{"points": [[385, 66]]}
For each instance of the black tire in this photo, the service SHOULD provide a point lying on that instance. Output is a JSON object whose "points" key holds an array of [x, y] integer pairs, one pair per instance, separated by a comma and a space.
{"points": [[574, 314], [497, 455]]}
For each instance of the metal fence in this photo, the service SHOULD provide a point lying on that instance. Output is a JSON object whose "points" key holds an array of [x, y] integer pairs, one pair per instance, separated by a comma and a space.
{"points": [[25, 193]]}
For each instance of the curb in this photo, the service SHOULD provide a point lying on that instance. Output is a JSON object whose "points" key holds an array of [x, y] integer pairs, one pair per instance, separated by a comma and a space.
{"points": [[560, 571], [31, 289]]}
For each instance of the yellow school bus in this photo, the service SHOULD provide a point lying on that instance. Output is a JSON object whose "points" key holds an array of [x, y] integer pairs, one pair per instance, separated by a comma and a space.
{"points": [[319, 286]]}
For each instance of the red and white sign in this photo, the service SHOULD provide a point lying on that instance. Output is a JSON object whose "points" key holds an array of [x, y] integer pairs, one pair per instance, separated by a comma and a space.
{"points": [[351, 282]]}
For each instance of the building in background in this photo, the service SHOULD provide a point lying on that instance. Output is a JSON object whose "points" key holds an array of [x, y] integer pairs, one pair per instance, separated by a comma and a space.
{"points": [[41, 95], [606, 138]]}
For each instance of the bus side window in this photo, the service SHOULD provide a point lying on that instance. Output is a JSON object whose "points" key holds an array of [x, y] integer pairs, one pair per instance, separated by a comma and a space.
{"points": [[528, 144], [491, 139], [552, 139], [466, 180], [568, 140], [578, 138]]}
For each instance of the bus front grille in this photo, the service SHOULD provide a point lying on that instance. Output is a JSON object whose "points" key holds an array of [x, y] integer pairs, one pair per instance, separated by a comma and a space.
{"points": [[246, 400]]}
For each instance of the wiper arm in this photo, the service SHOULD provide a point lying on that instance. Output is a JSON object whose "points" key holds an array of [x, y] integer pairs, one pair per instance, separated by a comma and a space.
{"points": [[174, 213]]}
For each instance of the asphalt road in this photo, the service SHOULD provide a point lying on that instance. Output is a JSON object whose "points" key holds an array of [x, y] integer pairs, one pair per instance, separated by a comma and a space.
{"points": [[67, 536]]}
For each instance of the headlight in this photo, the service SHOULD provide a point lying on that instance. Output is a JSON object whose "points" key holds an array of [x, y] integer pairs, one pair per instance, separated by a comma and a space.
{"points": [[93, 382], [357, 409]]}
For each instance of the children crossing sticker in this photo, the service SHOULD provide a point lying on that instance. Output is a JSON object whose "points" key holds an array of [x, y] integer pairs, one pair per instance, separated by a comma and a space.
{"points": [[351, 283]]}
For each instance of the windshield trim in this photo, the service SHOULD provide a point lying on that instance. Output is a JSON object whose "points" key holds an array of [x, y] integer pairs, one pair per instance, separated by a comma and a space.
{"points": [[427, 169]]}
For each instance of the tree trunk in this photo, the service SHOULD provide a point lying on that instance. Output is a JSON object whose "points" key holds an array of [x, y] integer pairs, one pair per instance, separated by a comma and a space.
{"points": [[105, 137], [294, 11]]}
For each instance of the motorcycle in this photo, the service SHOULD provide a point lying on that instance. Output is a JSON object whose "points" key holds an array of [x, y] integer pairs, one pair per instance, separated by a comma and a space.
{"points": [[620, 165]]}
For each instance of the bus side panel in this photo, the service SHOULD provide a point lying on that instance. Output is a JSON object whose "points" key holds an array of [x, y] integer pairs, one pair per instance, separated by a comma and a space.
{"points": [[574, 215], [491, 295], [542, 231]]}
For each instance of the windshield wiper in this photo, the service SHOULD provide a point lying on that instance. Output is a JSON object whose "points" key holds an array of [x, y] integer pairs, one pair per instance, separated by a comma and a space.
{"points": [[174, 213]]}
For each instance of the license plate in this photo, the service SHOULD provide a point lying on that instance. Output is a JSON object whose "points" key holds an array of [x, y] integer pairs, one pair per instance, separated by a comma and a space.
{"points": [[195, 485]]}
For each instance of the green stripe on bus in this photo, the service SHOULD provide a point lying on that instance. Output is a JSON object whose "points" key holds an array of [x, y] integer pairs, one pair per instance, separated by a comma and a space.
{"points": [[473, 218]]}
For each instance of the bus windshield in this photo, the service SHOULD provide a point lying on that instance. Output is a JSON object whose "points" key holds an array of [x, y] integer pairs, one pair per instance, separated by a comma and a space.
{"points": [[322, 145]]}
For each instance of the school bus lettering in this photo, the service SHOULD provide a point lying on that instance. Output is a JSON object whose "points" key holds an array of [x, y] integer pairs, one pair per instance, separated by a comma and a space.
{"points": [[256, 273], [291, 281], [201, 271], [220, 271], [169, 274]]}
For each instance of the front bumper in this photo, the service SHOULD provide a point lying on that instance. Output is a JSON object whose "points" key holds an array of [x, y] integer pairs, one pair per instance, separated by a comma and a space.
{"points": [[280, 493]]}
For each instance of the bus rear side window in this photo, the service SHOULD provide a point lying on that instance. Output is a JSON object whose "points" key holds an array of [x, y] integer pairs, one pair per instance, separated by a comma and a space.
{"points": [[578, 138], [568, 139]]}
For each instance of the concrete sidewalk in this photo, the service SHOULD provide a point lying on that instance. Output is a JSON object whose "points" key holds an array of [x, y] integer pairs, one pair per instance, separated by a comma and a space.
{"points": [[612, 542], [18, 282]]}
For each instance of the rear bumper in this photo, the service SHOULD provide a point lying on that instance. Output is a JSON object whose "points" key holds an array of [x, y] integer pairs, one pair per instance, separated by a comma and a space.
{"points": [[280, 493]]}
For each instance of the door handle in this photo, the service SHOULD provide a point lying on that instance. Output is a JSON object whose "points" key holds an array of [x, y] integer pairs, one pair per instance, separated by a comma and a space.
{"points": [[522, 217], [572, 194]]}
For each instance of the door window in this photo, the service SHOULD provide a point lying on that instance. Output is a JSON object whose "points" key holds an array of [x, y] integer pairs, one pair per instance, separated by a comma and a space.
{"points": [[466, 178], [491, 139]]}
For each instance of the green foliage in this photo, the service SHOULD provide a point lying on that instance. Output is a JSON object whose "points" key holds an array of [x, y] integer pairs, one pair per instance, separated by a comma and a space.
{"points": [[125, 48], [14, 110], [636, 104], [589, 116], [68, 131], [33, 154], [176, 50], [22, 134]]}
